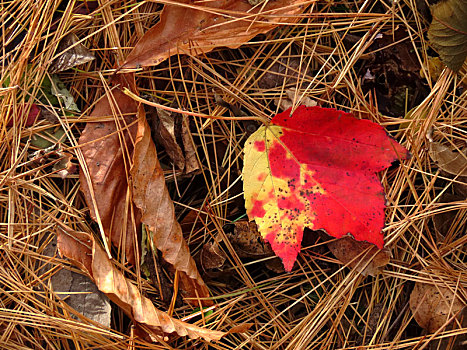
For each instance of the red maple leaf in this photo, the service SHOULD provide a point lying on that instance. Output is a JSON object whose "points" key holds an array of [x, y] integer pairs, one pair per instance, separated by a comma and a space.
{"points": [[317, 169]]}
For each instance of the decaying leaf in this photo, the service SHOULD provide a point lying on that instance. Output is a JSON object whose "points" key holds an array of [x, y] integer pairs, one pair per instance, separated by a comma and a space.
{"points": [[83, 250], [448, 32], [211, 257], [151, 196], [195, 29], [70, 57], [27, 118], [433, 305], [317, 169], [248, 242], [365, 257], [166, 131], [78, 290], [454, 163], [107, 149]]}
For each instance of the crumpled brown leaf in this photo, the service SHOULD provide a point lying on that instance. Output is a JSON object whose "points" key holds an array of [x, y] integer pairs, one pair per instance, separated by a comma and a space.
{"points": [[365, 257], [107, 148], [168, 126], [151, 196], [454, 163], [77, 290], [83, 250], [433, 305], [186, 28], [70, 57]]}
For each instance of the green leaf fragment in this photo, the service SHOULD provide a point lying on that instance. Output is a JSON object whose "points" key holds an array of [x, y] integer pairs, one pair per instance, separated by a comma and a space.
{"points": [[448, 32]]}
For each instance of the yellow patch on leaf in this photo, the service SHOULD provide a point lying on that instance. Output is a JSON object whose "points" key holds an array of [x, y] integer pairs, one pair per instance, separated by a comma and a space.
{"points": [[273, 200]]}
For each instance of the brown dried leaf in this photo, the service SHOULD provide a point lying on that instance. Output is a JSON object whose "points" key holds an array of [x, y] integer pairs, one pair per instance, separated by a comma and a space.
{"points": [[454, 163], [69, 58], [186, 28], [248, 242], [165, 135], [365, 257], [433, 305], [212, 257], [151, 196], [191, 160], [77, 290], [107, 149], [83, 250]]}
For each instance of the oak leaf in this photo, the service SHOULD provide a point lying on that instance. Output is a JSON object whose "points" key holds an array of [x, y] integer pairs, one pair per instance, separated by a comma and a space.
{"points": [[194, 29], [317, 169]]}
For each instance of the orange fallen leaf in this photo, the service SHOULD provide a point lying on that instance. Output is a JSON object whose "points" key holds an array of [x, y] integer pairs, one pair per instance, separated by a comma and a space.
{"points": [[83, 250], [151, 196], [107, 149], [193, 29]]}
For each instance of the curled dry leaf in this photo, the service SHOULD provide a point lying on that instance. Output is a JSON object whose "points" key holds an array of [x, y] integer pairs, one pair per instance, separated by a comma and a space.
{"points": [[83, 250], [187, 28], [168, 127], [433, 305], [77, 290], [151, 196], [454, 163], [365, 257], [71, 54], [107, 148], [211, 257]]}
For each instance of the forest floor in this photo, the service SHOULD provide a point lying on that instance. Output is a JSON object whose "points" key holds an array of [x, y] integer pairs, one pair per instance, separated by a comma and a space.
{"points": [[369, 58]]}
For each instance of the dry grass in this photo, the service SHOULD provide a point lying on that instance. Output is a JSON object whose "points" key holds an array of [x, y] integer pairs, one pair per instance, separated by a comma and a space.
{"points": [[321, 304]]}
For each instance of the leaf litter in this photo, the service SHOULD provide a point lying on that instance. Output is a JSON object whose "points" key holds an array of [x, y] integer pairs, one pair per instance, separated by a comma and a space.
{"points": [[289, 310]]}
